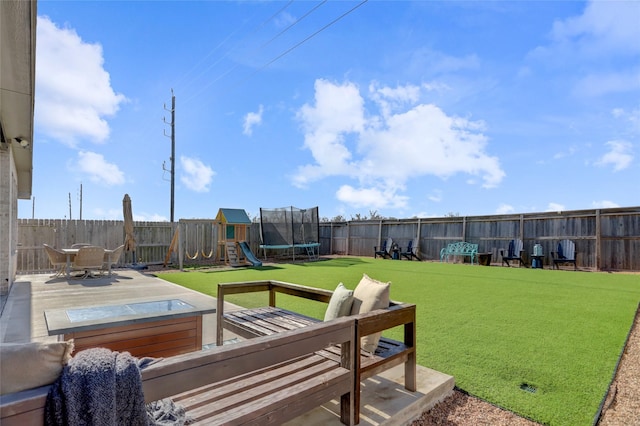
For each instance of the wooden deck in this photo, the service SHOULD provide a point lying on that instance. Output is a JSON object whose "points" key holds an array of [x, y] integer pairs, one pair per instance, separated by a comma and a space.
{"points": [[23, 318]]}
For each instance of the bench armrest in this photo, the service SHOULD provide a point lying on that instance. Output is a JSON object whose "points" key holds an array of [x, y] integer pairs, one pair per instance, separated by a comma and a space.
{"points": [[385, 319]]}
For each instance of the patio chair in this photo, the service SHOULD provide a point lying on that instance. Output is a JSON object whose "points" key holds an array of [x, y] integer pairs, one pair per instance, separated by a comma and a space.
{"points": [[566, 253], [385, 250], [88, 258], [412, 250], [514, 252], [57, 258], [78, 245], [111, 258]]}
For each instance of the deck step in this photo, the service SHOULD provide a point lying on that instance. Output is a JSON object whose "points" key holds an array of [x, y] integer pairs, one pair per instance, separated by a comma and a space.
{"points": [[387, 401]]}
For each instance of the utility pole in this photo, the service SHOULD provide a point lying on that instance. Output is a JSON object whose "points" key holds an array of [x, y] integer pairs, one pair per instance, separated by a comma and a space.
{"points": [[80, 200], [70, 206], [172, 123]]}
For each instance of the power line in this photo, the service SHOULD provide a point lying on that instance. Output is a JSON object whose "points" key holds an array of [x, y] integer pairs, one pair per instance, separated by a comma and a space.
{"points": [[237, 65], [255, 30], [295, 46], [289, 50]]}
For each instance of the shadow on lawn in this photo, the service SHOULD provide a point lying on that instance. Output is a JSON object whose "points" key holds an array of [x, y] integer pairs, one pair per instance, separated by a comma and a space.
{"points": [[343, 262], [255, 268]]}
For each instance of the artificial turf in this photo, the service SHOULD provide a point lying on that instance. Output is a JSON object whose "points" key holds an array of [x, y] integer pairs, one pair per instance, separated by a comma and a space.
{"points": [[541, 343]]}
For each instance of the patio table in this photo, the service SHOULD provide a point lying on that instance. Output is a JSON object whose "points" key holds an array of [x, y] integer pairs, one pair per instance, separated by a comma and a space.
{"points": [[71, 254]]}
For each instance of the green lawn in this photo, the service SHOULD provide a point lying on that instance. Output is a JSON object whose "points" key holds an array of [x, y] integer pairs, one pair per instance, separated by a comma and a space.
{"points": [[493, 329]]}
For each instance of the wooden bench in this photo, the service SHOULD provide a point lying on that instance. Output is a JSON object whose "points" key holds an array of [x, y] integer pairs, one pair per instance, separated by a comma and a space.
{"points": [[269, 380], [271, 320], [460, 248]]}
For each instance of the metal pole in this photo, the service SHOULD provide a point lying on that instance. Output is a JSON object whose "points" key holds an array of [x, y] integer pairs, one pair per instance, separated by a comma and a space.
{"points": [[173, 152]]}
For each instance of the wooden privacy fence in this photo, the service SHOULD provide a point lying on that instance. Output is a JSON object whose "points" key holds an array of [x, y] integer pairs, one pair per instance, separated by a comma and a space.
{"points": [[606, 239], [152, 239]]}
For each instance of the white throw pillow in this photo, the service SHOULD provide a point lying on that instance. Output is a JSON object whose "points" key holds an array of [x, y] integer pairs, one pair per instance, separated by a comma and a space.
{"points": [[368, 296], [31, 365], [340, 303]]}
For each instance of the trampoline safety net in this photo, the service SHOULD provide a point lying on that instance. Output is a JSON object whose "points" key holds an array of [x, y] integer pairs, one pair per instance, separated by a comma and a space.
{"points": [[289, 226]]}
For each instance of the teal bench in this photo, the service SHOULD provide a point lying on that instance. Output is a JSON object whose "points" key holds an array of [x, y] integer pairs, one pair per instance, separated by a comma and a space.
{"points": [[461, 248]]}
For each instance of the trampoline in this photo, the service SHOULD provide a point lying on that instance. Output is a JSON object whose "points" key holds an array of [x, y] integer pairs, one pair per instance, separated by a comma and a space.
{"points": [[290, 229]]}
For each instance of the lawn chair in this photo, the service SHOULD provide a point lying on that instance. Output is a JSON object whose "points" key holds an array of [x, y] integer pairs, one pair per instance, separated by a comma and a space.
{"points": [[385, 250], [88, 258], [57, 258], [514, 252], [78, 245], [111, 258], [566, 253], [412, 250]]}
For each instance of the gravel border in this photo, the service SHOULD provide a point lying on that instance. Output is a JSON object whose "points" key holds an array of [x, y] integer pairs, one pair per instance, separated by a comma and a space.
{"points": [[622, 405]]}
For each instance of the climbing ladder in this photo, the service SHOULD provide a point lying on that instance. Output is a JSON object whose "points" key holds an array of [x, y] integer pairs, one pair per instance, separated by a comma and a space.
{"points": [[311, 252], [232, 254]]}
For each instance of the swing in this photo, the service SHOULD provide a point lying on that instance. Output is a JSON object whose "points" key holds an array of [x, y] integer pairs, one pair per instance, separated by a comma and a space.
{"points": [[210, 255], [186, 250]]}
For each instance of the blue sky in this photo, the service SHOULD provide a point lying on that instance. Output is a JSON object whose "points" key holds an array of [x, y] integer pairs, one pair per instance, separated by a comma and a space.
{"points": [[400, 108]]}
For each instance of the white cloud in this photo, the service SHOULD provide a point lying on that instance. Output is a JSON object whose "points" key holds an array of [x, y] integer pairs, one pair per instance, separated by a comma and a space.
{"points": [[598, 48], [598, 84], [99, 170], [284, 19], [436, 87], [73, 90], [251, 120], [605, 26], [436, 62], [435, 196], [571, 150], [196, 175], [338, 111], [149, 217], [383, 152], [620, 155], [604, 204], [393, 99], [632, 117], [504, 209], [376, 198], [555, 207]]}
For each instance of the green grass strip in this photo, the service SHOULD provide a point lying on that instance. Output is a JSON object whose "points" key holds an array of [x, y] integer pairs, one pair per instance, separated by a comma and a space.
{"points": [[492, 328]]}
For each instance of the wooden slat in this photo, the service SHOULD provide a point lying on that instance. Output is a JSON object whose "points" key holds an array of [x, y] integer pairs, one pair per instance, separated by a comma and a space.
{"points": [[231, 397], [221, 389], [134, 331], [286, 404], [138, 325], [155, 338], [214, 366]]}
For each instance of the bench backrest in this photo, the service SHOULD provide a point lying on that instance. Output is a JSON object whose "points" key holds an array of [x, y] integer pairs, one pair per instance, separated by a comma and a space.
{"points": [[189, 371], [180, 373], [462, 247], [567, 250], [515, 247]]}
